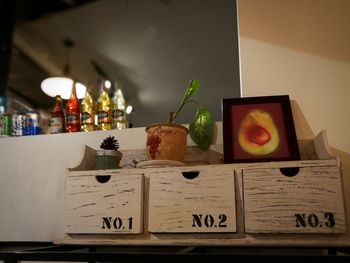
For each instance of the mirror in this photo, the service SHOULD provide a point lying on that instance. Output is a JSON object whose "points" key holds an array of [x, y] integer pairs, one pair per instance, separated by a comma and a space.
{"points": [[154, 48]]}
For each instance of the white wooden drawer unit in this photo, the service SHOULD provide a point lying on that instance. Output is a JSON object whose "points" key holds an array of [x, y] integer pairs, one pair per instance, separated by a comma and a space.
{"points": [[95, 206], [306, 197], [199, 199]]}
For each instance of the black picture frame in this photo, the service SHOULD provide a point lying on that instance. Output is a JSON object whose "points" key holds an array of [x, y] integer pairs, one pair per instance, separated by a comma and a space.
{"points": [[259, 129]]}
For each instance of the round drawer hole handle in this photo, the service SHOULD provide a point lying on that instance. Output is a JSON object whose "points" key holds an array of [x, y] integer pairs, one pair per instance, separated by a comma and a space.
{"points": [[190, 175], [290, 171], [102, 178]]}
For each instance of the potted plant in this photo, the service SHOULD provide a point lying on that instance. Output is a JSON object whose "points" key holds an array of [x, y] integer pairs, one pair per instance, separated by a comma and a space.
{"points": [[168, 141], [108, 157]]}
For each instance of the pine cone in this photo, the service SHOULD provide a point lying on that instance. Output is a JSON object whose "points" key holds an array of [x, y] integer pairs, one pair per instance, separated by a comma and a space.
{"points": [[110, 144]]}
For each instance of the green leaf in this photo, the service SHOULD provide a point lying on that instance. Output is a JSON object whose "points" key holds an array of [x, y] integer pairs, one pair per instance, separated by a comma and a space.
{"points": [[201, 128], [192, 88]]}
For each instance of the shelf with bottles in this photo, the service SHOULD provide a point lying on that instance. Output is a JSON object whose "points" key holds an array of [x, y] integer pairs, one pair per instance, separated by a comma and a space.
{"points": [[74, 115]]}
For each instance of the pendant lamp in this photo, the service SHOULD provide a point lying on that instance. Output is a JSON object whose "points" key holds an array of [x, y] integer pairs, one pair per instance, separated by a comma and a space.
{"points": [[62, 85]]}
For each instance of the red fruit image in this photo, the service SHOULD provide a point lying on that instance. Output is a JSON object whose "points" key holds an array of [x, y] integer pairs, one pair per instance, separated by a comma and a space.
{"points": [[258, 134]]}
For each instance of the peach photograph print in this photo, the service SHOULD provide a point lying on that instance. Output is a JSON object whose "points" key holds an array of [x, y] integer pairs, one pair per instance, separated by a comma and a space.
{"points": [[259, 129]]}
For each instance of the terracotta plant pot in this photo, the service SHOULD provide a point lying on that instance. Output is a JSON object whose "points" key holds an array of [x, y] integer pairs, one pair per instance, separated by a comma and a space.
{"points": [[107, 159], [166, 141]]}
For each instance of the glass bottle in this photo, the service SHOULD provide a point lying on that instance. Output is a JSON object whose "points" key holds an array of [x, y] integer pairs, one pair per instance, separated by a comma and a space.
{"points": [[57, 116], [104, 111], [119, 116], [87, 113], [73, 112]]}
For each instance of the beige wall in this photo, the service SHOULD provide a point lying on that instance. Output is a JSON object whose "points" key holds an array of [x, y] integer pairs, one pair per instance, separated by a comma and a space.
{"points": [[300, 48]]}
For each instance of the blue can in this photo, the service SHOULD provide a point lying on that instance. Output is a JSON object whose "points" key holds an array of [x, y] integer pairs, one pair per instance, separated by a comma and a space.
{"points": [[32, 125], [18, 123]]}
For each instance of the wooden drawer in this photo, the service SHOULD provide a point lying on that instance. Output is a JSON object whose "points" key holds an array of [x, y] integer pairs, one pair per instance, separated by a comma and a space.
{"points": [[184, 200], [309, 202], [114, 206]]}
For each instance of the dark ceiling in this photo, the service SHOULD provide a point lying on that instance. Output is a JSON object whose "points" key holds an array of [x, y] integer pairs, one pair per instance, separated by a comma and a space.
{"points": [[34, 9], [24, 72]]}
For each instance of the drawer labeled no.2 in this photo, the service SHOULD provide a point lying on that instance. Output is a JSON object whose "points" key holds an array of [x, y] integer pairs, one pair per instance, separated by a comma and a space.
{"points": [[184, 202], [309, 202], [114, 206]]}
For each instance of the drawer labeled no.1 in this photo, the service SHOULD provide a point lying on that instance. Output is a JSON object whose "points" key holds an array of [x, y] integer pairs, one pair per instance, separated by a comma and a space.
{"points": [[95, 206], [309, 202], [200, 201]]}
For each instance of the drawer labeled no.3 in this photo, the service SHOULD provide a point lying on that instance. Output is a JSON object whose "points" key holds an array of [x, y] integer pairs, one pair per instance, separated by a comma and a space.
{"points": [[309, 202], [95, 206], [198, 201]]}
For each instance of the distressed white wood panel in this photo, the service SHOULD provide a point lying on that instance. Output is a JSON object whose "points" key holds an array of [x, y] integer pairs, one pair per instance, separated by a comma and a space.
{"points": [[203, 204], [310, 202], [111, 207]]}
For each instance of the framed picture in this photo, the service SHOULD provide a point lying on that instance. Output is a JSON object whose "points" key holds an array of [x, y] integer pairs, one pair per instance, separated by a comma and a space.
{"points": [[259, 129]]}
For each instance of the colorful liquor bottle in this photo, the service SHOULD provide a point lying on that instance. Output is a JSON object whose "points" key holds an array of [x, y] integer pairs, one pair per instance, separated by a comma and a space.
{"points": [[119, 116], [87, 108], [73, 112], [57, 116], [104, 111]]}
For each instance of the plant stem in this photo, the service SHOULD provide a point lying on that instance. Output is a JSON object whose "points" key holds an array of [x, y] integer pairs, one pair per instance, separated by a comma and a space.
{"points": [[173, 115]]}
